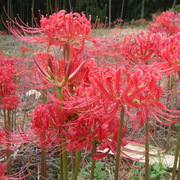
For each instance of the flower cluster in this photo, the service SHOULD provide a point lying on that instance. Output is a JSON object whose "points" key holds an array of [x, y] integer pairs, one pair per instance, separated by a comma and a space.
{"points": [[2, 170], [8, 96], [90, 103], [167, 22], [60, 29]]}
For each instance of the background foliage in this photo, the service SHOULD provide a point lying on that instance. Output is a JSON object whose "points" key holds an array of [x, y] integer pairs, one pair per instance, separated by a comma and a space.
{"points": [[131, 8]]}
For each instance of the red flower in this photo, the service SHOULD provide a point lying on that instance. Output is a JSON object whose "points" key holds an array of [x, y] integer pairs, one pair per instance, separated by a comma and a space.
{"points": [[167, 22], [48, 125], [2, 170], [25, 49], [87, 129], [10, 102], [71, 29], [49, 69], [139, 48], [57, 72], [1, 51], [143, 94]]}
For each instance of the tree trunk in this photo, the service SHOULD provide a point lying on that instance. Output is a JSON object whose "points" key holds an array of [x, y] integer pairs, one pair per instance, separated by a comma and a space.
{"points": [[76, 6], [174, 4], [32, 17], [70, 6], [64, 4], [56, 6], [10, 8], [87, 8], [142, 9], [47, 7], [50, 6], [122, 9], [109, 13]]}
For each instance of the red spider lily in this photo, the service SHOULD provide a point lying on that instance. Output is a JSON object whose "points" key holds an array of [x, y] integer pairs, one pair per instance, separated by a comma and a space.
{"points": [[71, 29], [53, 116], [42, 126], [3, 32], [7, 89], [2, 170], [3, 141], [136, 88], [139, 49], [169, 55], [16, 176], [167, 22], [86, 130], [50, 70], [10, 102], [99, 92], [130, 50], [7, 86], [143, 93], [48, 126], [55, 72], [25, 49], [52, 123], [1, 51], [85, 126], [139, 21], [12, 142], [6, 73]]}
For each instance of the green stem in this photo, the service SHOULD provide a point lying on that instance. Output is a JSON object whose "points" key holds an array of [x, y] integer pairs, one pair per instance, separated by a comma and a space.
{"points": [[171, 106], [116, 174], [178, 175], [66, 52], [76, 169], [60, 93], [65, 164], [9, 120], [63, 158], [8, 154], [43, 166], [9, 165], [61, 167], [147, 150], [43, 153], [73, 157], [94, 150], [176, 155], [5, 120]]}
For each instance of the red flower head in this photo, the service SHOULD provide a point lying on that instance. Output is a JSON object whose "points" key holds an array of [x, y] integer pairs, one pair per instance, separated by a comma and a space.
{"points": [[49, 69], [137, 88], [139, 48], [10, 102], [69, 29], [167, 22], [64, 26], [1, 51], [7, 87], [25, 49], [144, 94], [48, 123], [3, 32], [57, 72], [87, 129], [2, 134], [2, 170]]}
